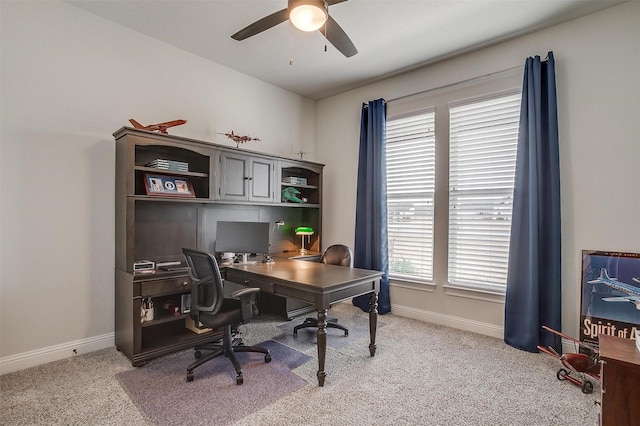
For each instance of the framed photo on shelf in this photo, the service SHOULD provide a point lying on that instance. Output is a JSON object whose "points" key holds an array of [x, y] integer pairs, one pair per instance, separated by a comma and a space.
{"points": [[168, 186]]}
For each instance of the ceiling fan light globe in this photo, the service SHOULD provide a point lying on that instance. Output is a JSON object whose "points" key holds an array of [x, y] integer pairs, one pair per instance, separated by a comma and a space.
{"points": [[308, 17]]}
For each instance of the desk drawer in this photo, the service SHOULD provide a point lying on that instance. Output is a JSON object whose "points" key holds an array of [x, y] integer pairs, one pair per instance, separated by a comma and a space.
{"points": [[165, 286], [239, 277]]}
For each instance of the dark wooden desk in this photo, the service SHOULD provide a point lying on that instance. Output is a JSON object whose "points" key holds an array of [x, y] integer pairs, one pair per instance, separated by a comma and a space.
{"points": [[316, 283]]}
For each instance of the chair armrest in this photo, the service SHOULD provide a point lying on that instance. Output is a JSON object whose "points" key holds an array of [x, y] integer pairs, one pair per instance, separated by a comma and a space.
{"points": [[195, 284], [246, 301], [243, 292]]}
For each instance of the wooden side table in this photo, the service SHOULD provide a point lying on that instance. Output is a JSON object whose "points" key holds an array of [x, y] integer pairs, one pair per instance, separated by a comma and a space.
{"points": [[620, 377]]}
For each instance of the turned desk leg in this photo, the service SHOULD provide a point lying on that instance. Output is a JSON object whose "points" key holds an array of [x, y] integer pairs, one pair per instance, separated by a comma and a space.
{"points": [[322, 345], [373, 321]]}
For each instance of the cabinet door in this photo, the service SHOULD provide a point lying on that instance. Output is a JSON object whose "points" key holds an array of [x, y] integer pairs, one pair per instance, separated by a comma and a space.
{"points": [[262, 180], [246, 178], [234, 176]]}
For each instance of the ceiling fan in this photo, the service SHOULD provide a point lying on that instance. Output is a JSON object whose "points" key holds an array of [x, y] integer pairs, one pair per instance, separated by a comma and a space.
{"points": [[306, 15]]}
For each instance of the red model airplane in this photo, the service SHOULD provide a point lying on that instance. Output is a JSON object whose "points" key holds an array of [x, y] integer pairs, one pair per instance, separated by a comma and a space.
{"points": [[238, 139], [578, 364], [160, 127]]}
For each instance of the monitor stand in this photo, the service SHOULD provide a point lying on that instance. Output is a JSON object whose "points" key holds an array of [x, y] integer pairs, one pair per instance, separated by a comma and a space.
{"points": [[244, 260]]}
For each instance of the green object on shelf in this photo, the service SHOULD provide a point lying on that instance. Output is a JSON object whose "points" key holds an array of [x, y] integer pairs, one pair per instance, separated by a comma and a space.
{"points": [[291, 194], [304, 230]]}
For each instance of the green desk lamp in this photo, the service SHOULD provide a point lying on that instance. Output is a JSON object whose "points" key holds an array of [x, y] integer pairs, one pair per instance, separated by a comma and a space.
{"points": [[303, 230]]}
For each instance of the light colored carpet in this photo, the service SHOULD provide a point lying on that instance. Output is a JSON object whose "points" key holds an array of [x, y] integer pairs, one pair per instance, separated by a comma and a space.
{"points": [[161, 392], [422, 374]]}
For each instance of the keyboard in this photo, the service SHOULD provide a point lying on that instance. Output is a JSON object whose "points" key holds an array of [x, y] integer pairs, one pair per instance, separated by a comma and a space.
{"points": [[174, 268]]}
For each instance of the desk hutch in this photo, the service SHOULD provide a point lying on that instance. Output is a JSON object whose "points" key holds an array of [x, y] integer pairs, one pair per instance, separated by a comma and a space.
{"points": [[228, 184]]}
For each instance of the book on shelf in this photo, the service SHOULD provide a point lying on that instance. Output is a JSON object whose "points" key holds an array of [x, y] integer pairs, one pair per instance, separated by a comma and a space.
{"points": [[293, 180], [159, 163]]}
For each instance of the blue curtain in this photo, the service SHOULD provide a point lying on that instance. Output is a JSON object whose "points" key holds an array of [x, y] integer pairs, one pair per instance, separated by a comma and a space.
{"points": [[370, 249], [533, 297]]}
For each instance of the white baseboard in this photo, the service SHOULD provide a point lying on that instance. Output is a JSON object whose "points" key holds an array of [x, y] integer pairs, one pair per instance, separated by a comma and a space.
{"points": [[54, 353], [568, 347], [449, 321], [462, 324]]}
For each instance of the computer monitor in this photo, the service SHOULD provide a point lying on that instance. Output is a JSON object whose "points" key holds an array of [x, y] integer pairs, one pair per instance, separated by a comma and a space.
{"points": [[242, 238]]}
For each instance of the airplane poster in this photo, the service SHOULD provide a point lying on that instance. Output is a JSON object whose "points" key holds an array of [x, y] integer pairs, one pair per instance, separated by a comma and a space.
{"points": [[610, 295]]}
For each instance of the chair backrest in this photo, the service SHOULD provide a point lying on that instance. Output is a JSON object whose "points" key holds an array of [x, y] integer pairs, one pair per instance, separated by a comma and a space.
{"points": [[337, 254], [207, 291]]}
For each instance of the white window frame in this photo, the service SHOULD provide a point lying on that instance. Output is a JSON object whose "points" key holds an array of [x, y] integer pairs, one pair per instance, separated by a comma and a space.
{"points": [[439, 99], [410, 153], [483, 136]]}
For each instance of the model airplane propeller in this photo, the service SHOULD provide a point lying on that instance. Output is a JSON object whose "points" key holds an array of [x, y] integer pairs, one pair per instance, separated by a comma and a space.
{"points": [[307, 15]]}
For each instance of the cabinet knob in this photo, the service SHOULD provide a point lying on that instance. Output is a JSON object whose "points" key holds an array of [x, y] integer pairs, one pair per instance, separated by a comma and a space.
{"points": [[184, 283], [246, 282], [248, 178]]}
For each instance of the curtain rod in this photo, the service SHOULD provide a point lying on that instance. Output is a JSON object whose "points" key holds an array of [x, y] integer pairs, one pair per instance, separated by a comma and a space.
{"points": [[446, 86], [469, 80]]}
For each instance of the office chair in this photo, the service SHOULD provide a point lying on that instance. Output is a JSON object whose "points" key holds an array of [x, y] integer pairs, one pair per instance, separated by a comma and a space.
{"points": [[209, 309], [336, 254]]}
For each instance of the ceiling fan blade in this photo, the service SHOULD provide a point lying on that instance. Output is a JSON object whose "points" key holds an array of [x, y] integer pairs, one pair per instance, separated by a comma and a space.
{"points": [[262, 24], [336, 35]]}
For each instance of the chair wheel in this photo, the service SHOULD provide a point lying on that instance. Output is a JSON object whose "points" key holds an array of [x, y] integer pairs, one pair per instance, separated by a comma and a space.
{"points": [[239, 380], [267, 358], [197, 354], [190, 376]]}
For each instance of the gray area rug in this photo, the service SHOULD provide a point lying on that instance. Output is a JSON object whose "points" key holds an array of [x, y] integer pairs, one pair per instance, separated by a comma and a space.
{"points": [[161, 392]]}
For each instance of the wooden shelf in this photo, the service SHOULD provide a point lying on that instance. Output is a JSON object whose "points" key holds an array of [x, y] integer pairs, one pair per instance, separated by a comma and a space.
{"points": [[295, 185], [163, 319], [170, 172]]}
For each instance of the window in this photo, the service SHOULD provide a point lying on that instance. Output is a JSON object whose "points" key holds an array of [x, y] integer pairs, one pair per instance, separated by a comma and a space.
{"points": [[410, 152], [450, 178], [483, 138]]}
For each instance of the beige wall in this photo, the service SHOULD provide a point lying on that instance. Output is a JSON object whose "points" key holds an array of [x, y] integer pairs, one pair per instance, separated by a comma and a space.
{"points": [[598, 64], [69, 80]]}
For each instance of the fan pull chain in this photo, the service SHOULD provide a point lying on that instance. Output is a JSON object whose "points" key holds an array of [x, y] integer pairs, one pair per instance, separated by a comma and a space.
{"points": [[290, 44], [325, 33]]}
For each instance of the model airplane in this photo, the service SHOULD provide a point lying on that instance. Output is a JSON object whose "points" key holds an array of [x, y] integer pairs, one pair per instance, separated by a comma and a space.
{"points": [[577, 366], [238, 139], [632, 291], [160, 127]]}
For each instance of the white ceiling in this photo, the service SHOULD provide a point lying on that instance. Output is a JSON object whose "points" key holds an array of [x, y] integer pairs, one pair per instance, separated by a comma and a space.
{"points": [[391, 36]]}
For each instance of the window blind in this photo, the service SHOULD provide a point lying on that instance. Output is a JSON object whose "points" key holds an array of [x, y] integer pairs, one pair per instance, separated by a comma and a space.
{"points": [[482, 155], [410, 152]]}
